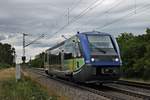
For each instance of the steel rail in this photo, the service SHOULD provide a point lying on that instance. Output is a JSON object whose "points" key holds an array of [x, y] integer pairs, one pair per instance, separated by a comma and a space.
{"points": [[95, 90], [135, 84], [129, 92]]}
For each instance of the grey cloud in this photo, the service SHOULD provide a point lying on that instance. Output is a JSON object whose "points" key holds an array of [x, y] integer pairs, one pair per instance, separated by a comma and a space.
{"points": [[2, 37], [47, 16]]}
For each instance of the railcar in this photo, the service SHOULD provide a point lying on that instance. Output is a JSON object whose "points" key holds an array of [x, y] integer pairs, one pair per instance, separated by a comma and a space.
{"points": [[85, 57]]}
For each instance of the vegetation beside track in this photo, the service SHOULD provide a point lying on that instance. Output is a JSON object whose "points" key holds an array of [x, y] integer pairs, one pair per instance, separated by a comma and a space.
{"points": [[24, 89], [135, 53], [38, 61], [7, 53]]}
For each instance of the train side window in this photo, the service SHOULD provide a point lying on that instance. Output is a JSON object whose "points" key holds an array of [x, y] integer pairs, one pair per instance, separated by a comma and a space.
{"points": [[45, 57], [55, 57], [68, 49], [48, 57], [50, 60]]}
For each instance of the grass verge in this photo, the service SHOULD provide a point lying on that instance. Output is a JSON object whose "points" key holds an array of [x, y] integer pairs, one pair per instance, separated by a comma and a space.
{"points": [[24, 89]]}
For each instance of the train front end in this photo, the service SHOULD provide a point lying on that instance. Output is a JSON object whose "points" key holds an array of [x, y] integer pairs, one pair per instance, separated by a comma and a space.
{"points": [[102, 57]]}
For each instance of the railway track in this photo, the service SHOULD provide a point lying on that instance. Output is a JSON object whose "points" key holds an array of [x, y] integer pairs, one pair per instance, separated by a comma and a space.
{"points": [[113, 91], [133, 88], [135, 84], [133, 91]]}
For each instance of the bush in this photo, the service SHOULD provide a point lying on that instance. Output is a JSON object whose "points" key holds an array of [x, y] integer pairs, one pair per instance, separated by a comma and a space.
{"points": [[2, 65], [22, 90], [146, 74], [135, 53]]}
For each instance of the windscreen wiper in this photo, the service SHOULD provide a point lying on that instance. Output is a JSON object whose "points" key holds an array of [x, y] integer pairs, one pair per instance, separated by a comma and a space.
{"points": [[99, 49]]}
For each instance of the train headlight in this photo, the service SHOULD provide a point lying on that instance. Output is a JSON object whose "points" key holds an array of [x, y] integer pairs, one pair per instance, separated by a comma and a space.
{"points": [[92, 59], [116, 59]]}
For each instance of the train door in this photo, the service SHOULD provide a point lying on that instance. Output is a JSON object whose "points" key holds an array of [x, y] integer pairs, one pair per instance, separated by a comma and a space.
{"points": [[75, 54], [73, 59], [78, 59], [46, 62]]}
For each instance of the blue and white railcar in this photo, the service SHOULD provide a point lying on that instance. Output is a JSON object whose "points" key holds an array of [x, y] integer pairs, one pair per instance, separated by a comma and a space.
{"points": [[85, 57]]}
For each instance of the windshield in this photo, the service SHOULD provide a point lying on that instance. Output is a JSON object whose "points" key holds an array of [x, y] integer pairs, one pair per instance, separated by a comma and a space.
{"points": [[101, 44]]}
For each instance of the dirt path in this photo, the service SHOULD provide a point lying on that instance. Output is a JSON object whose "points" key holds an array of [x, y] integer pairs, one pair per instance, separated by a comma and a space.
{"points": [[7, 73]]}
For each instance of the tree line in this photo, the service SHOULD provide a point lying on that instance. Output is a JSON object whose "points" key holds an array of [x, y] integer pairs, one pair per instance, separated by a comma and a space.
{"points": [[38, 61], [6, 55], [135, 54]]}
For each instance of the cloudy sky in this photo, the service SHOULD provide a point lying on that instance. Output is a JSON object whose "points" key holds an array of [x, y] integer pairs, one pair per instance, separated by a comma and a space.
{"points": [[48, 17]]}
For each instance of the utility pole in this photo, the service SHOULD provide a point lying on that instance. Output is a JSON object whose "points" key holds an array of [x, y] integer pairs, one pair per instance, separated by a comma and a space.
{"points": [[25, 45], [68, 16], [23, 56]]}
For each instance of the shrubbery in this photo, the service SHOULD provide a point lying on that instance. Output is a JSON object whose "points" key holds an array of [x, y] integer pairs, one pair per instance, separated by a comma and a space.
{"points": [[135, 53], [2, 65], [38, 61], [23, 90], [6, 55]]}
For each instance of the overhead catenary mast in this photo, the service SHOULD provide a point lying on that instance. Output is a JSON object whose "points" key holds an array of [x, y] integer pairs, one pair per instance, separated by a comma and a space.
{"points": [[25, 45], [23, 56]]}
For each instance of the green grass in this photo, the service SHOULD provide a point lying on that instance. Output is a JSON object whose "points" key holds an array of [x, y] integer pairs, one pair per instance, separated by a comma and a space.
{"points": [[3, 65], [22, 90]]}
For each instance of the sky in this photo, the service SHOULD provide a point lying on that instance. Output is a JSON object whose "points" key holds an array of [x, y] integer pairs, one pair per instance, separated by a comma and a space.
{"points": [[55, 18]]}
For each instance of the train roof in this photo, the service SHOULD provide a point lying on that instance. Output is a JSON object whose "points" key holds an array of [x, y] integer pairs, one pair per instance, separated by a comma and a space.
{"points": [[95, 32], [86, 33]]}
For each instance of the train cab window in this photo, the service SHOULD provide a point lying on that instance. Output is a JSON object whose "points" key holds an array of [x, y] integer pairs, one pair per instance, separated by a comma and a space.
{"points": [[101, 44]]}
